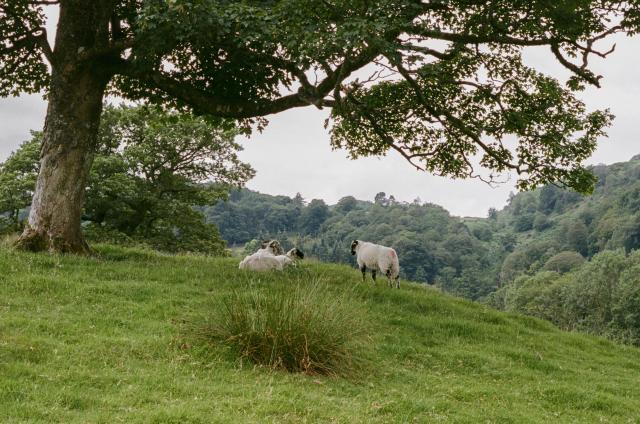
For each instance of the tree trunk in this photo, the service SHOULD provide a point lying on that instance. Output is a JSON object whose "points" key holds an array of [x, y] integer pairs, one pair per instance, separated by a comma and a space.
{"points": [[70, 133]]}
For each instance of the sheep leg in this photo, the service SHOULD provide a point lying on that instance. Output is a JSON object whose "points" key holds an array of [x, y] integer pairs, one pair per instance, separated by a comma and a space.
{"points": [[388, 274], [364, 270], [373, 274], [398, 282]]}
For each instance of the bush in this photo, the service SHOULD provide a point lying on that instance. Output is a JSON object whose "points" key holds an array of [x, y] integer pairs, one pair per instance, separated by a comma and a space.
{"points": [[297, 329], [539, 296]]}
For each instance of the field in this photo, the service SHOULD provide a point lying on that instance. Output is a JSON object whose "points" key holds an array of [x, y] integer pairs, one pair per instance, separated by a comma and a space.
{"points": [[114, 339]]}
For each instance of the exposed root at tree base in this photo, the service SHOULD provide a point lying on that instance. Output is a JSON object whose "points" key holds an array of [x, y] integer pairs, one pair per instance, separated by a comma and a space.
{"points": [[35, 241]]}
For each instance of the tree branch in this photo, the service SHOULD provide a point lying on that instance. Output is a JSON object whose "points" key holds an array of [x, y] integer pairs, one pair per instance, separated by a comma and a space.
{"points": [[478, 39], [208, 102], [453, 120], [35, 37], [114, 47], [580, 71]]}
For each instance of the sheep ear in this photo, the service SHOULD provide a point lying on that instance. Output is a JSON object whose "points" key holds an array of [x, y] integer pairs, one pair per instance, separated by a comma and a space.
{"points": [[264, 243]]}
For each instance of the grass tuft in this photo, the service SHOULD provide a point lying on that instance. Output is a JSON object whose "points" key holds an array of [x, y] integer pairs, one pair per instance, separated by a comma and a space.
{"points": [[300, 328]]}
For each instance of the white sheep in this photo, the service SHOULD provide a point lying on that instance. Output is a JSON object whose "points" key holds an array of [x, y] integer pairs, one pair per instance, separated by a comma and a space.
{"points": [[268, 248], [290, 257], [377, 258], [265, 260], [261, 262]]}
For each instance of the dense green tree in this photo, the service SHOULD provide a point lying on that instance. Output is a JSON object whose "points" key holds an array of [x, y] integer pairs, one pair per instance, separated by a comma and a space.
{"points": [[576, 237], [564, 262], [482, 231], [540, 222], [151, 168], [539, 296], [515, 264], [233, 59], [380, 198], [313, 216], [523, 222], [17, 182], [346, 204], [547, 199], [625, 310]]}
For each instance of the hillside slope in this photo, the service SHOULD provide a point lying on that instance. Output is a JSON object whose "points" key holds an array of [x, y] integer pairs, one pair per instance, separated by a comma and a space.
{"points": [[467, 257], [108, 340], [434, 246]]}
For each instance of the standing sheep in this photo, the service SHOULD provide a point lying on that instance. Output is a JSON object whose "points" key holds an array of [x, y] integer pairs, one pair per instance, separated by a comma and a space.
{"points": [[377, 258]]}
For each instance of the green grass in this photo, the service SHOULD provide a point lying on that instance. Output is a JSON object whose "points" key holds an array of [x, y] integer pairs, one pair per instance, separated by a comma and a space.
{"points": [[300, 326], [113, 340]]}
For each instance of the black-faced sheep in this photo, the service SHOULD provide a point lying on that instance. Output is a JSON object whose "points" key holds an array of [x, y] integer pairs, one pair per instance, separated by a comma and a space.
{"points": [[269, 248], [265, 259], [377, 258]]}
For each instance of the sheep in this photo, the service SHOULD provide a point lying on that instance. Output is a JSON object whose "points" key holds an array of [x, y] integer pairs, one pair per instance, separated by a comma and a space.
{"points": [[377, 258], [265, 259], [291, 257], [261, 262], [272, 246], [268, 248]]}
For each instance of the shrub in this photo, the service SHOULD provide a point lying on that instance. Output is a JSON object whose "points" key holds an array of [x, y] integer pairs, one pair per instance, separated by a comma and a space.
{"points": [[299, 329]]}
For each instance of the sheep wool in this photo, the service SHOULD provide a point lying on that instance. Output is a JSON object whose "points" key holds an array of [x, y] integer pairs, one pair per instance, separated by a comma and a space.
{"points": [[377, 258], [265, 259]]}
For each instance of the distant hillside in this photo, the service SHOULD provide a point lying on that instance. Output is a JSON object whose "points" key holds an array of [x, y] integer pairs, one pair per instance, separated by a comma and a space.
{"points": [[469, 257], [551, 220], [86, 340], [433, 246]]}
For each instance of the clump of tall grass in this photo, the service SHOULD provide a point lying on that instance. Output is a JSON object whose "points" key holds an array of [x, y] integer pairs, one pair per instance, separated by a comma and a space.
{"points": [[298, 328]]}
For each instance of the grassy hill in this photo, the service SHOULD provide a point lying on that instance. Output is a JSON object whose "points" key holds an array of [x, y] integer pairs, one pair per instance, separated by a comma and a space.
{"points": [[113, 340]]}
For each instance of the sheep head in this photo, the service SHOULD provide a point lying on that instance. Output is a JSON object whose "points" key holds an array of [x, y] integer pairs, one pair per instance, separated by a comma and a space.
{"points": [[273, 245], [295, 253], [354, 245]]}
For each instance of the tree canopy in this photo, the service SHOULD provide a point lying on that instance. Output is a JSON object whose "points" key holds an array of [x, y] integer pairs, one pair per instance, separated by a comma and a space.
{"points": [[447, 85], [442, 83]]}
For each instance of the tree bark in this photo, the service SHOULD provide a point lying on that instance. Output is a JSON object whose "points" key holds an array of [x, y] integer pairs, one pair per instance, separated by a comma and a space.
{"points": [[70, 133]]}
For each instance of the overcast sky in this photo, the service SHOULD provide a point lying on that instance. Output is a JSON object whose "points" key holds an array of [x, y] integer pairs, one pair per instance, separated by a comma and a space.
{"points": [[293, 154]]}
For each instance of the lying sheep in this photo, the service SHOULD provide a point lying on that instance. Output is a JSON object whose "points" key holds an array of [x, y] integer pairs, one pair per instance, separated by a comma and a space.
{"points": [[265, 259], [377, 258], [268, 248], [291, 257], [272, 246], [262, 262]]}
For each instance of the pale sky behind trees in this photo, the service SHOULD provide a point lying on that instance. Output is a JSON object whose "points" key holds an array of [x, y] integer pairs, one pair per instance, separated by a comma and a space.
{"points": [[293, 153]]}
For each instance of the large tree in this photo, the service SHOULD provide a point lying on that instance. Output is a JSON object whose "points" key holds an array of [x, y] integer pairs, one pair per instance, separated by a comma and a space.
{"points": [[441, 82]]}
